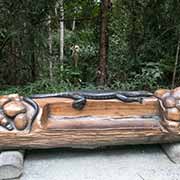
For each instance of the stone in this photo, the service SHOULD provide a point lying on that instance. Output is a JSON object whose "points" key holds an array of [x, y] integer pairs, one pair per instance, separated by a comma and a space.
{"points": [[11, 164], [178, 104], [176, 93], [3, 121], [177, 89], [165, 95], [169, 102], [13, 108], [3, 100], [159, 93], [21, 121], [172, 114], [14, 97], [1, 116]]}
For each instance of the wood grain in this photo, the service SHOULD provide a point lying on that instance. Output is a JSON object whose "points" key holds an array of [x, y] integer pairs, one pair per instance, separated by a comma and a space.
{"points": [[100, 123], [104, 107], [88, 138]]}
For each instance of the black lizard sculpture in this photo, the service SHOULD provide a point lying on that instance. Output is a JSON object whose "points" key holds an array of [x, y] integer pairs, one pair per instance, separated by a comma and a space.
{"points": [[81, 96]]}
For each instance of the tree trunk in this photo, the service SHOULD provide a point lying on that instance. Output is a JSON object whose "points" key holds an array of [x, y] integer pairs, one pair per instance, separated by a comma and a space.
{"points": [[132, 33], [33, 67], [61, 32], [74, 24], [13, 63], [176, 63], [50, 48], [104, 42]]}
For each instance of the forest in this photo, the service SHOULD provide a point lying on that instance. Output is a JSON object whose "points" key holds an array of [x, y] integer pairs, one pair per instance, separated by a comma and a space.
{"points": [[63, 45]]}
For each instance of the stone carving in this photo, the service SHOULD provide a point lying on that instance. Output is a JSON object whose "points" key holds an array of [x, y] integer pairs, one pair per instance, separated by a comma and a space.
{"points": [[13, 112], [170, 107]]}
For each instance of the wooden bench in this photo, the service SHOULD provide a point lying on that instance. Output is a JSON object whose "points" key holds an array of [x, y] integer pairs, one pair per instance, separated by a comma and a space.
{"points": [[53, 122]]}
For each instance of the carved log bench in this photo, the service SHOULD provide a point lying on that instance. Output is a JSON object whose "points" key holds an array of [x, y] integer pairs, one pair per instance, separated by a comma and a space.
{"points": [[89, 119]]}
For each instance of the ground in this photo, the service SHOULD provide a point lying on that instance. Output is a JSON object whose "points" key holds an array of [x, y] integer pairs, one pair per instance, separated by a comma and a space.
{"points": [[143, 162]]}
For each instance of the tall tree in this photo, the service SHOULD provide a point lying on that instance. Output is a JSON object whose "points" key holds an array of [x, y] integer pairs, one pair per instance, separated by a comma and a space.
{"points": [[50, 48], [176, 64], [61, 32], [104, 43]]}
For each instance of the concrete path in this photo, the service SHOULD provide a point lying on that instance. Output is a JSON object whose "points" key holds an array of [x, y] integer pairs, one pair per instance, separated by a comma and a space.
{"points": [[145, 162]]}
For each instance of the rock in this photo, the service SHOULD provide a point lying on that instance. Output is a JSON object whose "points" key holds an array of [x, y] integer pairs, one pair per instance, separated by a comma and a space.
{"points": [[9, 126], [176, 93], [1, 116], [169, 102], [172, 114], [159, 93], [178, 104], [177, 89], [165, 95], [5, 123], [15, 97], [11, 164], [3, 100], [21, 121], [13, 108]]}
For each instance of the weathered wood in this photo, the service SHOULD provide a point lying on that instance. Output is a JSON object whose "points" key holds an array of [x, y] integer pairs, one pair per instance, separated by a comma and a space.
{"points": [[97, 123], [11, 164]]}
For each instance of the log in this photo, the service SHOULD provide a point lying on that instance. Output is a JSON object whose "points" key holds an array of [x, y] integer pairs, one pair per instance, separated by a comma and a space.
{"points": [[91, 120], [11, 164]]}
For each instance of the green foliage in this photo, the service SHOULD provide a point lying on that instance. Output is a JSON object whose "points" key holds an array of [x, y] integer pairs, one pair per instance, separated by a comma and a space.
{"points": [[38, 87], [118, 46], [85, 72], [143, 38], [23, 35], [143, 31], [148, 79]]}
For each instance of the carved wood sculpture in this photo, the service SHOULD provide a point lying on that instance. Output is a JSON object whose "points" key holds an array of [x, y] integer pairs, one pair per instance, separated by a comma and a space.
{"points": [[89, 119]]}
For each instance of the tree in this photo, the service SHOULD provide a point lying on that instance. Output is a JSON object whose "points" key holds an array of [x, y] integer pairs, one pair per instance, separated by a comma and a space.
{"points": [[50, 48], [104, 43], [61, 32]]}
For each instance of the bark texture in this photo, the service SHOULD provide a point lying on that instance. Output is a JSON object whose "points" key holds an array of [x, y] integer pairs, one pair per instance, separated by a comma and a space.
{"points": [[104, 41]]}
